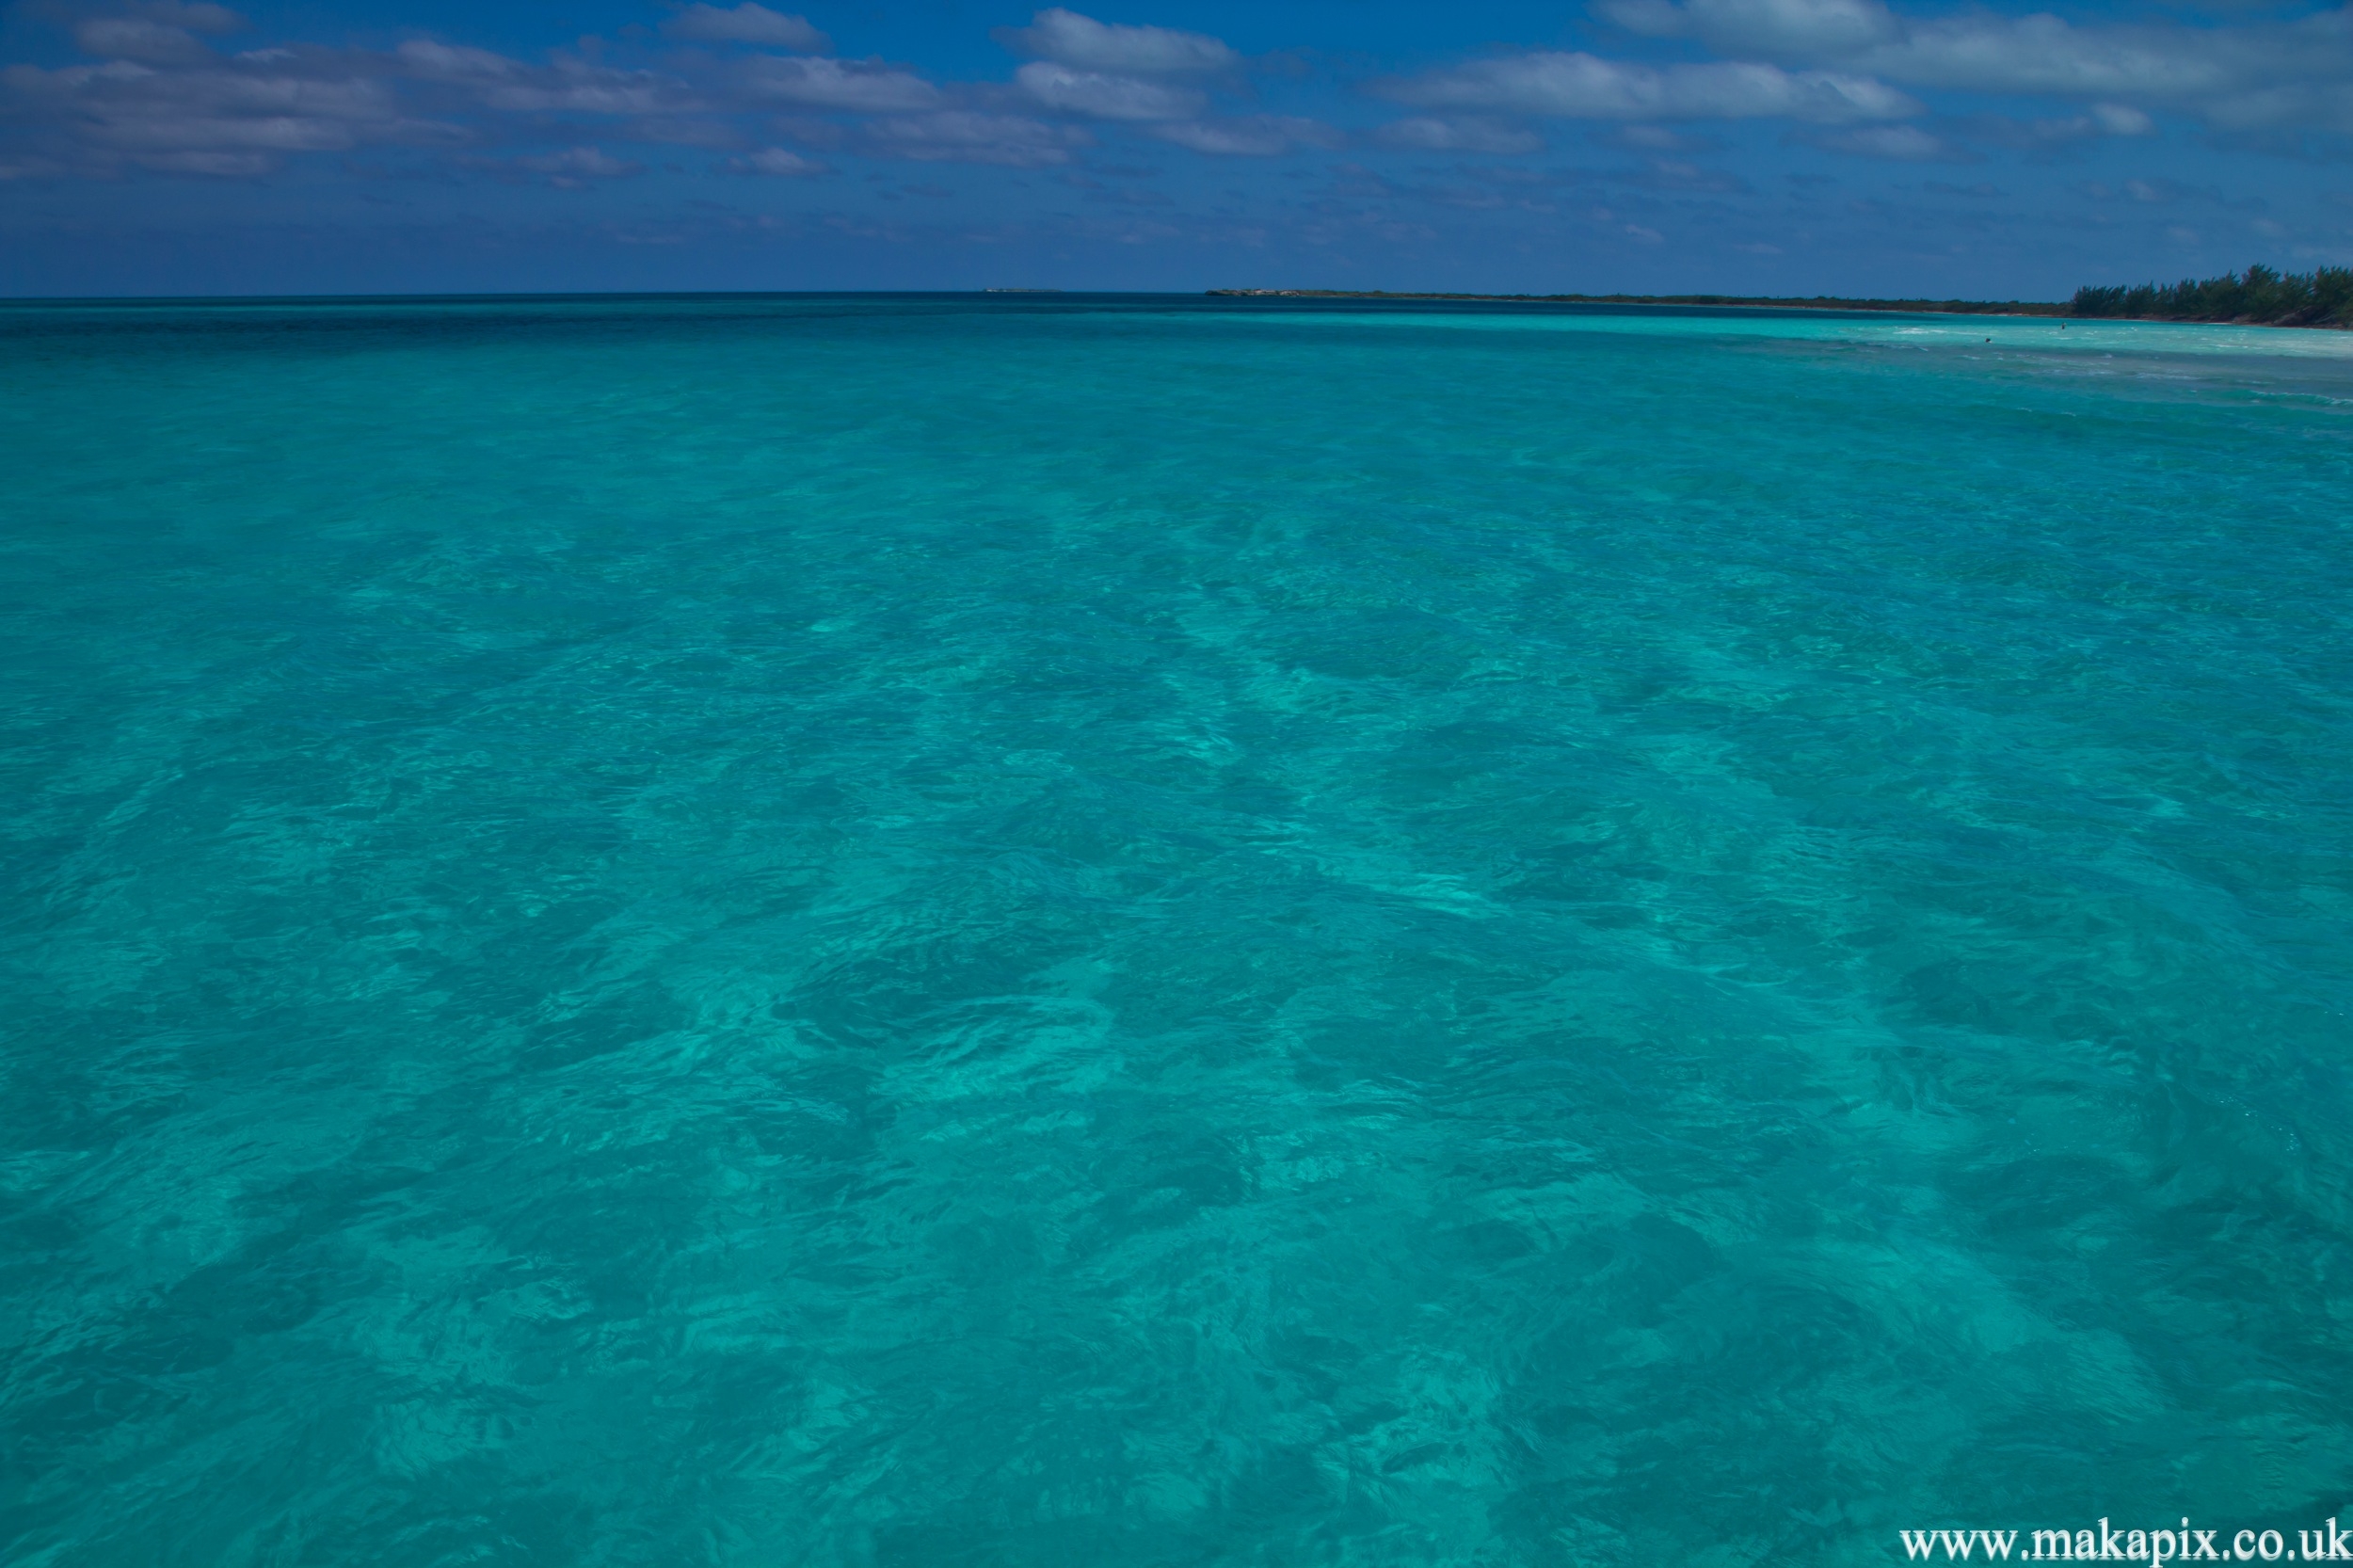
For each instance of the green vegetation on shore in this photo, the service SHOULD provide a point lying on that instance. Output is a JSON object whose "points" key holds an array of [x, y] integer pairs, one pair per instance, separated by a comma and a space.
{"points": [[2322, 297]]}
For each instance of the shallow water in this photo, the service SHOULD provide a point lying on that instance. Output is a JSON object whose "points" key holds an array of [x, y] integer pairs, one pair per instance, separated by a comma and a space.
{"points": [[925, 931]]}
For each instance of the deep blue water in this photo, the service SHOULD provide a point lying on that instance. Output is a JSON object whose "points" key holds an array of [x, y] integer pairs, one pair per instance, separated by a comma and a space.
{"points": [[875, 932]]}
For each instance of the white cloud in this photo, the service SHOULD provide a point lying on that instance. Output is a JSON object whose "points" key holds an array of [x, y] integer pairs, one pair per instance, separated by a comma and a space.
{"points": [[961, 137], [161, 100], [273, 133], [1659, 139], [811, 131], [582, 161], [196, 18], [220, 165], [128, 38], [868, 85], [578, 87], [2329, 105], [1105, 97], [775, 160], [1430, 134], [2235, 75], [1584, 86], [102, 95], [443, 62], [1681, 174], [1903, 143], [568, 84], [1070, 39], [229, 117], [1262, 136], [1806, 29], [748, 23], [2043, 54], [684, 131], [569, 168], [2119, 120]]}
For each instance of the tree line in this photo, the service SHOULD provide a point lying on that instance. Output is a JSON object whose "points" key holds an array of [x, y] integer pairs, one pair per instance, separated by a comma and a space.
{"points": [[2321, 297]]}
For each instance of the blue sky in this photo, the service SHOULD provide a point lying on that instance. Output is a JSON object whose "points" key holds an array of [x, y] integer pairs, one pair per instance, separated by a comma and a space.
{"points": [[1769, 146]]}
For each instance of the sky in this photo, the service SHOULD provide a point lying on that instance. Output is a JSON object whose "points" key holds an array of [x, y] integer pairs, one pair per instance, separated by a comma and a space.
{"points": [[1780, 146]]}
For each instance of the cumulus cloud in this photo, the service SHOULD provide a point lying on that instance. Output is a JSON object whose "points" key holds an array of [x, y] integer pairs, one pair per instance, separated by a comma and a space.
{"points": [[250, 113], [443, 62], [567, 168], [685, 131], [1262, 136], [1427, 132], [1656, 139], [568, 84], [1083, 42], [2047, 135], [2241, 76], [2043, 54], [1803, 29], [1104, 97], [867, 86], [131, 37], [161, 98], [954, 136], [777, 161], [218, 166], [1583, 87], [196, 18], [1678, 174], [164, 101], [748, 23], [575, 166], [1902, 143], [2324, 105], [578, 89]]}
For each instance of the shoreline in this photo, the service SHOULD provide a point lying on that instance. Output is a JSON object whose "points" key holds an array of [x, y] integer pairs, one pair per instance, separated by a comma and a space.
{"points": [[1819, 302], [2026, 309]]}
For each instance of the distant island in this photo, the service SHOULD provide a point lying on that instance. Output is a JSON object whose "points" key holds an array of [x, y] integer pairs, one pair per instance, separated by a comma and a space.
{"points": [[1819, 302], [2259, 296]]}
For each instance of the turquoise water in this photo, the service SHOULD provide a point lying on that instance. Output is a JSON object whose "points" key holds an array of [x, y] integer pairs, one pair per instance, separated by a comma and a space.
{"points": [[905, 932]]}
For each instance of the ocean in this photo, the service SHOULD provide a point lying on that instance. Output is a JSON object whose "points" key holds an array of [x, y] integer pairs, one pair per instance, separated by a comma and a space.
{"points": [[878, 932]]}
